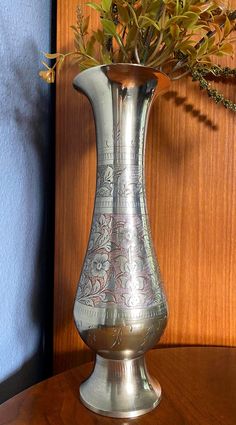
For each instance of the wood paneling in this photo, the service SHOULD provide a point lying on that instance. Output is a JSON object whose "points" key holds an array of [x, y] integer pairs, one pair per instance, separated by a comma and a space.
{"points": [[191, 188]]}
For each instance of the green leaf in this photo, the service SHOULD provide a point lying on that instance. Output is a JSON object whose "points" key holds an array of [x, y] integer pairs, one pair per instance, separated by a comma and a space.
{"points": [[133, 12], [109, 27], [200, 7], [185, 46], [174, 30], [177, 6], [191, 51], [85, 24], [106, 5], [88, 63], [150, 21], [191, 20], [227, 27], [60, 63], [99, 36], [226, 49], [90, 46], [123, 14], [130, 39], [52, 55], [191, 15], [145, 4], [105, 57], [153, 7], [79, 43], [203, 48], [95, 6], [74, 28], [176, 18], [211, 43], [218, 30]]}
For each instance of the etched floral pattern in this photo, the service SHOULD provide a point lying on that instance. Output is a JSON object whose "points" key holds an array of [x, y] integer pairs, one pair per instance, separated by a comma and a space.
{"points": [[101, 234], [134, 299], [119, 268], [128, 235], [121, 180], [105, 181], [99, 265]]}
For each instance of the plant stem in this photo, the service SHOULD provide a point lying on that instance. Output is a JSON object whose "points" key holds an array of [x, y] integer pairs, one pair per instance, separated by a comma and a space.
{"points": [[150, 31], [160, 38], [136, 54], [181, 75]]}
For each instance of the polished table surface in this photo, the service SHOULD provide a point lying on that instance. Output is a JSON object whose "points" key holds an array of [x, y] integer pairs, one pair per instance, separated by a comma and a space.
{"points": [[198, 387]]}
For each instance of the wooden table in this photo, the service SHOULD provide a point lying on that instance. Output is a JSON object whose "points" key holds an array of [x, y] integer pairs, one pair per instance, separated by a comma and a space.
{"points": [[199, 388]]}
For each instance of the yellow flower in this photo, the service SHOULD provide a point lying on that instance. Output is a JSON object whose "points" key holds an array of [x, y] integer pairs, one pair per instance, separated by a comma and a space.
{"points": [[48, 75]]}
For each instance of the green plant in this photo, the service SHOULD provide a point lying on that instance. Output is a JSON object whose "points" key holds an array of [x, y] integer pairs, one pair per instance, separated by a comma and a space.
{"points": [[179, 37]]}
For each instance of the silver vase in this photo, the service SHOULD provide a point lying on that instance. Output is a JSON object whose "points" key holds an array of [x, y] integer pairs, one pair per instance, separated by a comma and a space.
{"points": [[120, 309]]}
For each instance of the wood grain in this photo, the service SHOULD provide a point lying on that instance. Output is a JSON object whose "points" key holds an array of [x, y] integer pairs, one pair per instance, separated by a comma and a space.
{"points": [[198, 387], [191, 188]]}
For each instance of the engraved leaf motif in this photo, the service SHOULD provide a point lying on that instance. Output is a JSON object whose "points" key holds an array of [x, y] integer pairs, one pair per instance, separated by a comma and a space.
{"points": [[104, 241], [79, 292], [92, 241], [117, 334], [91, 244], [96, 287], [103, 221], [122, 262], [104, 191], [124, 189], [108, 175], [128, 267], [133, 300], [132, 282], [89, 302], [109, 297], [102, 296], [87, 289]]}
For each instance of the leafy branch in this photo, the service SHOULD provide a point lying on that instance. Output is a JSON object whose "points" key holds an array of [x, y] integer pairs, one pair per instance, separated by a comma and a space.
{"points": [[179, 37], [199, 74]]}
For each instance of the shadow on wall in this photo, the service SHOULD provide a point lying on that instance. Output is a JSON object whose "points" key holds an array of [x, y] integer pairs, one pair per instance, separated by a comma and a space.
{"points": [[26, 111], [20, 379]]}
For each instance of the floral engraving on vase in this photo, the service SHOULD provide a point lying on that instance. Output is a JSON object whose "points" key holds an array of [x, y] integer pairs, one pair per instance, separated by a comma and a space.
{"points": [[117, 335], [119, 180], [120, 267], [105, 181], [150, 335]]}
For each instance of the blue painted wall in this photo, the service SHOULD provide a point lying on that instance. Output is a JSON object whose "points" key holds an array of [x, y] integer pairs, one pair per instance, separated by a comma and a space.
{"points": [[24, 178]]}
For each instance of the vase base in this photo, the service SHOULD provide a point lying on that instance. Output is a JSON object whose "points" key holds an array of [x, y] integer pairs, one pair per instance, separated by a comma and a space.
{"points": [[120, 388]]}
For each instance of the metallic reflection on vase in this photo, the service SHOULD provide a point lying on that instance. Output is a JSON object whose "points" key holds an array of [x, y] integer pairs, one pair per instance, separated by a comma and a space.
{"points": [[120, 309]]}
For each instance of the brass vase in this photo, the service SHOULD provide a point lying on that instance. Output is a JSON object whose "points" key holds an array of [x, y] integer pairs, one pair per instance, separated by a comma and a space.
{"points": [[120, 309]]}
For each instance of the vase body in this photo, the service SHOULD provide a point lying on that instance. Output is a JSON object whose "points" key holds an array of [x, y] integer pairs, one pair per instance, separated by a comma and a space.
{"points": [[120, 309]]}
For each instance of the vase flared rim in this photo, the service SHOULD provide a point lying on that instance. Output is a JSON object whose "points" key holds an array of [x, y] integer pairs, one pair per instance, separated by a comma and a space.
{"points": [[131, 70]]}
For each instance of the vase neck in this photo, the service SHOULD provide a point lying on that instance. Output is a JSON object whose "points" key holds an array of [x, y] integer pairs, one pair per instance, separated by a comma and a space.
{"points": [[121, 124], [121, 96]]}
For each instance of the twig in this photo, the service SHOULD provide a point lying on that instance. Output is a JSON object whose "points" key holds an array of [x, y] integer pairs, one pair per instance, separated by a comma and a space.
{"points": [[209, 34], [150, 33]]}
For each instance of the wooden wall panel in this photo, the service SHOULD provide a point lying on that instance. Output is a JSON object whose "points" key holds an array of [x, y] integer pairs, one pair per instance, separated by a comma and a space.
{"points": [[191, 188]]}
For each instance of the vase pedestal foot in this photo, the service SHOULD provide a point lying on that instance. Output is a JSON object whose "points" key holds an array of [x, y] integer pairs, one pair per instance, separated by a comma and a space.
{"points": [[120, 388]]}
